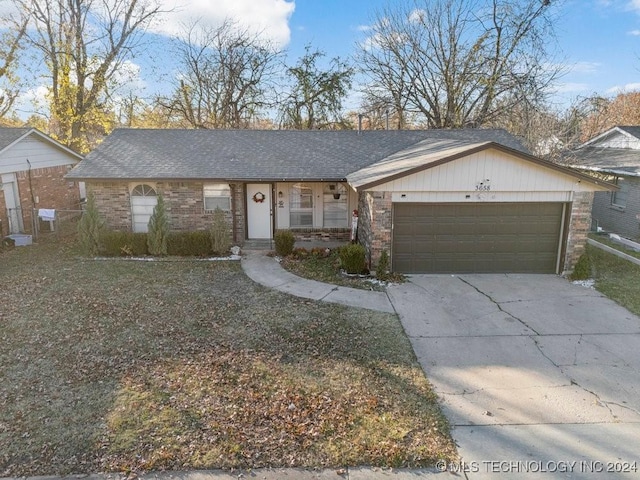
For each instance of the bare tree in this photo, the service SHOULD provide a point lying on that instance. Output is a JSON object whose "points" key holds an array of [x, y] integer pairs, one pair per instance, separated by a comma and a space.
{"points": [[459, 63], [84, 43], [10, 43], [315, 96], [227, 77]]}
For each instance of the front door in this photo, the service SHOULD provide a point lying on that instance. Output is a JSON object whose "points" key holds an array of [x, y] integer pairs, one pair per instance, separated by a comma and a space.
{"points": [[12, 202], [259, 211]]}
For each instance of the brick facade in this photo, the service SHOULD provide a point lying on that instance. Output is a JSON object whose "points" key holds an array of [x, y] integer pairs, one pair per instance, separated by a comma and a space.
{"points": [[42, 188], [375, 225], [620, 220], [375, 212], [324, 234], [579, 227], [184, 202]]}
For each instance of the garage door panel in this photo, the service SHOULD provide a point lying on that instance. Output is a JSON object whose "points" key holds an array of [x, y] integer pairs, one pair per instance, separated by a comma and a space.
{"points": [[476, 237]]}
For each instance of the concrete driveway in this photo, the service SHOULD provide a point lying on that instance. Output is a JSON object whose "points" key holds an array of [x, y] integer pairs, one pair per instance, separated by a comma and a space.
{"points": [[537, 376]]}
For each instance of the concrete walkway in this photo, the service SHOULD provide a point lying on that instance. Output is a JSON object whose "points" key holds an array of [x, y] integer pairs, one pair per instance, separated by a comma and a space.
{"points": [[267, 271]]}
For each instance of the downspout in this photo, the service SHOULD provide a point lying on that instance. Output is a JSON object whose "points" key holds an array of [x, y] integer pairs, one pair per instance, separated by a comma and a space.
{"points": [[34, 226], [234, 222]]}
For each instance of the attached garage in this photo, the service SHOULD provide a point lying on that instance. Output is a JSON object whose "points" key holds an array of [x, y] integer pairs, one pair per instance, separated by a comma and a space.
{"points": [[477, 237], [452, 207]]}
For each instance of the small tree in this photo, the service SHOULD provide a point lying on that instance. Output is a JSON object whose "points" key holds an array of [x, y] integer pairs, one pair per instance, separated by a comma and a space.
{"points": [[220, 238], [90, 227], [158, 229]]}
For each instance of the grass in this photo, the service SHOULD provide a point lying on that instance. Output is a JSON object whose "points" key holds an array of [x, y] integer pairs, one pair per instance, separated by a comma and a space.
{"points": [[612, 244], [617, 278], [118, 366], [326, 269]]}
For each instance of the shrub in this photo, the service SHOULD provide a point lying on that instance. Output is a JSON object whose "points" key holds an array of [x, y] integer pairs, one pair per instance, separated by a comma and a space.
{"points": [[300, 253], [116, 244], [582, 269], [322, 252], [196, 244], [382, 271], [352, 258], [284, 242], [220, 238], [90, 228], [158, 229]]}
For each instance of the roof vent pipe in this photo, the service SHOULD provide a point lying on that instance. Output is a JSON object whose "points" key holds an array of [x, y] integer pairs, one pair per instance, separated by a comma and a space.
{"points": [[386, 112], [360, 115]]}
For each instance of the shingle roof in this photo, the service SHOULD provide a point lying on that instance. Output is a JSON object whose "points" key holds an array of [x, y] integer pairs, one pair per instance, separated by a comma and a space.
{"points": [[10, 135], [424, 153], [258, 154], [631, 130], [624, 161]]}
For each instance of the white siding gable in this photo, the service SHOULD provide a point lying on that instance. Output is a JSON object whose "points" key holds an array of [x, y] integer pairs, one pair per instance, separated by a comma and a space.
{"points": [[39, 152], [617, 139], [488, 175]]}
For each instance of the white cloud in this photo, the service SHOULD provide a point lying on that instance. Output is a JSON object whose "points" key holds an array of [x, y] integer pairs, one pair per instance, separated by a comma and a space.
{"points": [[585, 67], [270, 17], [571, 87], [629, 87], [127, 77], [417, 15], [364, 28], [634, 4], [635, 33]]}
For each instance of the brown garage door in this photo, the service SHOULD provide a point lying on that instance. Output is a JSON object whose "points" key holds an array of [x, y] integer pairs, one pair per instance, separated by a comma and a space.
{"points": [[476, 237]]}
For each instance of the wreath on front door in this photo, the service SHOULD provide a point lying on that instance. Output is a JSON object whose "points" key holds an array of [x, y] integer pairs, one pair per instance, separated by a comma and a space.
{"points": [[259, 197]]}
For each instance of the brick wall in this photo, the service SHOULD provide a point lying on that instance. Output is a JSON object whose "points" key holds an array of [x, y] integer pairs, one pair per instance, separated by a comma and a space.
{"points": [[374, 225], [42, 188], [622, 221], [184, 202], [326, 234], [579, 227]]}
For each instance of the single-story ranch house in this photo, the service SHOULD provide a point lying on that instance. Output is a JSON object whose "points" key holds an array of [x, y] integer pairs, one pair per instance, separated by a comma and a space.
{"points": [[435, 200]]}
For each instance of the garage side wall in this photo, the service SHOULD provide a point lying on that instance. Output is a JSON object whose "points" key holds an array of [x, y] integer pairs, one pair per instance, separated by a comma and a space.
{"points": [[579, 227], [184, 203], [375, 211]]}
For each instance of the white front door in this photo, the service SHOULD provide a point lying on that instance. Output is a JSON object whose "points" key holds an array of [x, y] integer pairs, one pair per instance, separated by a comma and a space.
{"points": [[12, 202], [259, 210]]}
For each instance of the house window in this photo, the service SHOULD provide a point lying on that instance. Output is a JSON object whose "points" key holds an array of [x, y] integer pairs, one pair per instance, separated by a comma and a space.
{"points": [[143, 201], [301, 205], [217, 195], [619, 197], [336, 206]]}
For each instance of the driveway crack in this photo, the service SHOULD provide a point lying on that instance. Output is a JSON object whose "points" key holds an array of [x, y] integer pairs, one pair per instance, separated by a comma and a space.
{"points": [[499, 306]]}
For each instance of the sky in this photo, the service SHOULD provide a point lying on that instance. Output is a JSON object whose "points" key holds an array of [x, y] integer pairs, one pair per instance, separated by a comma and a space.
{"points": [[598, 40]]}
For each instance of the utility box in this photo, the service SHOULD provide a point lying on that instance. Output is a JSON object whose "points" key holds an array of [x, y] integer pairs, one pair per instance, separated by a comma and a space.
{"points": [[21, 239]]}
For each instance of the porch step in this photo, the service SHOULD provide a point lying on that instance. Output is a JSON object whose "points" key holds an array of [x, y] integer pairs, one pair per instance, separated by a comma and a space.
{"points": [[261, 244]]}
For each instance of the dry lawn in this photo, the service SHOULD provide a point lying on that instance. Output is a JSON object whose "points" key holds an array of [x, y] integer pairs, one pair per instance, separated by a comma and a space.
{"points": [[132, 366]]}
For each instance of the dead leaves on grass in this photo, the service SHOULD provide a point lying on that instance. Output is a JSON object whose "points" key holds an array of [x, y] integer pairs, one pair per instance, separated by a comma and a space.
{"points": [[126, 367], [238, 409]]}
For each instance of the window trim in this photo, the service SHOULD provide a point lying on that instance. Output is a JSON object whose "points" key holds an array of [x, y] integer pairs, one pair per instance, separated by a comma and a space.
{"points": [[221, 189], [301, 210], [615, 194]]}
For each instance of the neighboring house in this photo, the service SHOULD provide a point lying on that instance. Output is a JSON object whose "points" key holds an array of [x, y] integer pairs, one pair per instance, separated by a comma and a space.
{"points": [[32, 170], [615, 154], [435, 200]]}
